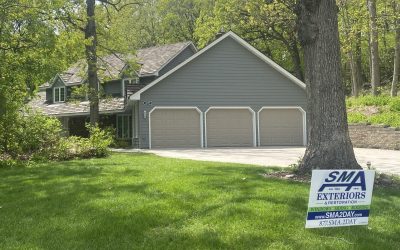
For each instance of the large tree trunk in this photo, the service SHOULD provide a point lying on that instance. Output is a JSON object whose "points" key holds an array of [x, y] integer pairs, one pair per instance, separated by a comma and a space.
{"points": [[329, 145], [374, 51], [91, 58], [396, 64]]}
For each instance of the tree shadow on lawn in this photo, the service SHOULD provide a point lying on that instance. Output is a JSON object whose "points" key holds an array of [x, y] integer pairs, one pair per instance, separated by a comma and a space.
{"points": [[383, 230], [223, 207]]}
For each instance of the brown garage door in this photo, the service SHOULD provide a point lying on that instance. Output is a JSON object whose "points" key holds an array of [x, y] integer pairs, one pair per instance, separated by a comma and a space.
{"points": [[281, 127], [229, 128], [175, 128]]}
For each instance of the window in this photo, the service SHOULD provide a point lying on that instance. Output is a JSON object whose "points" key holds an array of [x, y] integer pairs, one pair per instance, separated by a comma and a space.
{"points": [[128, 81], [59, 94], [124, 126], [131, 81]]}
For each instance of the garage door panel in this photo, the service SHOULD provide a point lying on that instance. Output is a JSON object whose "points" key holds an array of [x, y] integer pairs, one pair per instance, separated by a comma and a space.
{"points": [[229, 128], [175, 128], [281, 127]]}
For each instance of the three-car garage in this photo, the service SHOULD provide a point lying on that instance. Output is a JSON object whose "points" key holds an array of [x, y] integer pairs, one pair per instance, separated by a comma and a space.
{"points": [[189, 127], [226, 95]]}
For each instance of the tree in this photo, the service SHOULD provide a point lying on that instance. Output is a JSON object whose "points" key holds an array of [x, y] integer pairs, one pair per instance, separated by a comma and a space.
{"points": [[396, 63], [270, 26], [351, 40], [91, 60], [374, 49], [329, 145], [28, 54], [88, 24]]}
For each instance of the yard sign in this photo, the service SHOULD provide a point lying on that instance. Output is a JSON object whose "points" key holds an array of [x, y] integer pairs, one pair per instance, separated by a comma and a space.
{"points": [[339, 198]]}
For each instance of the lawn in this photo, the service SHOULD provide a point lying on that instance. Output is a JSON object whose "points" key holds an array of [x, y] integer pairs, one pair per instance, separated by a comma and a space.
{"points": [[141, 201]]}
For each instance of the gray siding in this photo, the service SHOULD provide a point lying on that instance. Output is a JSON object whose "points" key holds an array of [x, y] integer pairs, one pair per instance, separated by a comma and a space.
{"points": [[49, 95], [185, 54], [225, 75], [113, 88]]}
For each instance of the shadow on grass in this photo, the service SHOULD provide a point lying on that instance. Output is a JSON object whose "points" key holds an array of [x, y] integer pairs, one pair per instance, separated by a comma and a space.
{"points": [[143, 201]]}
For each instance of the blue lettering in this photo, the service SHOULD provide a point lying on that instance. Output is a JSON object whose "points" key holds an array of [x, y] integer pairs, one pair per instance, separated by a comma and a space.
{"points": [[344, 177], [332, 175]]}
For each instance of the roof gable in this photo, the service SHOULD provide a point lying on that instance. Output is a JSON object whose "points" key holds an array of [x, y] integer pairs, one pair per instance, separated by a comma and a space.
{"points": [[240, 41]]}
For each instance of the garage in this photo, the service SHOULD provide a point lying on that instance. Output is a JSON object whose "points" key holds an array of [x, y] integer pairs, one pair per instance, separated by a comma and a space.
{"points": [[175, 127], [281, 126], [230, 127]]}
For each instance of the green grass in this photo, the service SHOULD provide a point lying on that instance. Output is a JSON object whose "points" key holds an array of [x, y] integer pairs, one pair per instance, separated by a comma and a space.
{"points": [[388, 110], [142, 201]]}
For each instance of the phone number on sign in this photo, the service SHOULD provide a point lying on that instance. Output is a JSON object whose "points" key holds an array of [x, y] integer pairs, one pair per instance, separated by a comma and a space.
{"points": [[337, 222]]}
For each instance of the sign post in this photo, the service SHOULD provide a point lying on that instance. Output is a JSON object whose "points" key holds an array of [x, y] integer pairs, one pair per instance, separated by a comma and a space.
{"points": [[339, 198]]}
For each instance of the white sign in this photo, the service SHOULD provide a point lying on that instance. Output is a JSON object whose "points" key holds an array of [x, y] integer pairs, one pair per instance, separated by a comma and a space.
{"points": [[339, 198]]}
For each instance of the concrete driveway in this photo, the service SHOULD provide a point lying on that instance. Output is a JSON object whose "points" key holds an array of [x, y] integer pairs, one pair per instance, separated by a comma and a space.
{"points": [[383, 160]]}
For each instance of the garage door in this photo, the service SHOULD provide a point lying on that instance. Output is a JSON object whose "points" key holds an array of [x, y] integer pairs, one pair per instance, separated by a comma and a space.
{"points": [[229, 127], [175, 128], [281, 127]]}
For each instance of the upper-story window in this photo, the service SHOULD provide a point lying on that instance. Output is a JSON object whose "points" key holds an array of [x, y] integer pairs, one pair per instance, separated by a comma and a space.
{"points": [[131, 81], [128, 81], [59, 94]]}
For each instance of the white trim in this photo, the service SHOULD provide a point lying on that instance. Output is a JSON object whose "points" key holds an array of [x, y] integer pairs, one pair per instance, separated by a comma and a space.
{"points": [[260, 55], [59, 94], [303, 112], [54, 81], [178, 107], [231, 107]]}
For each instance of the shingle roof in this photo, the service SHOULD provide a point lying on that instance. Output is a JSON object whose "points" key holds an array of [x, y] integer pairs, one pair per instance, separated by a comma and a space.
{"points": [[154, 58], [109, 105], [151, 60]]}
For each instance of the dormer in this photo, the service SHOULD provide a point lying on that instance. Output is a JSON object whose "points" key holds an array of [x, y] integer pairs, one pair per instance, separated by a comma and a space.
{"points": [[57, 91]]}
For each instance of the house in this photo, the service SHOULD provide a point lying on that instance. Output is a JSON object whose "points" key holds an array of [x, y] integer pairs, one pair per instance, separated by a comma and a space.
{"points": [[228, 94], [58, 98]]}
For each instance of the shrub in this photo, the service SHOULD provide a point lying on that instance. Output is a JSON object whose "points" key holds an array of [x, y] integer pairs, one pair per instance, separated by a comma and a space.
{"points": [[368, 100], [36, 137], [28, 133], [99, 141], [394, 104], [388, 118], [77, 147], [356, 117], [39, 133]]}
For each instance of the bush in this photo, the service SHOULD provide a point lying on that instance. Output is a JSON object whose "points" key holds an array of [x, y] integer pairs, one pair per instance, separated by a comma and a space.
{"points": [[394, 104], [31, 137], [28, 133], [77, 147], [368, 100], [7, 161], [356, 118], [99, 141], [39, 133], [388, 118]]}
